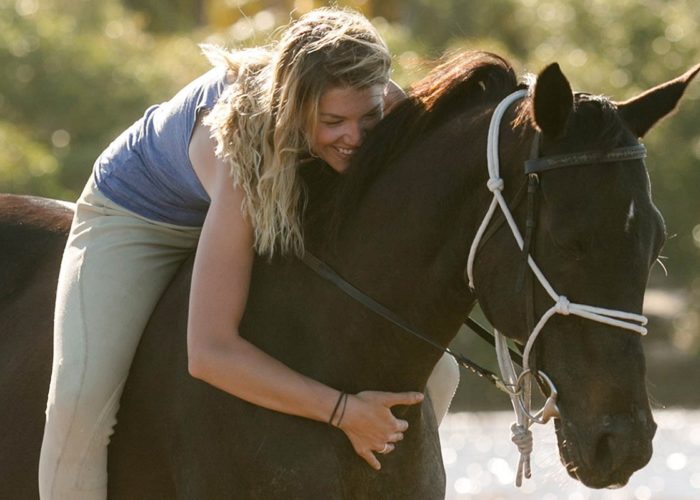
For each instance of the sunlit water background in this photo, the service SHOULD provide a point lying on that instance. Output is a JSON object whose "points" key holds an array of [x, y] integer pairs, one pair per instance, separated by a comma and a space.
{"points": [[480, 461]]}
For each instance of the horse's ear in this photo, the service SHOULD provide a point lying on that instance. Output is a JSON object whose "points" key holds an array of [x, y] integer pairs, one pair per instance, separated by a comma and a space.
{"points": [[553, 101], [642, 112]]}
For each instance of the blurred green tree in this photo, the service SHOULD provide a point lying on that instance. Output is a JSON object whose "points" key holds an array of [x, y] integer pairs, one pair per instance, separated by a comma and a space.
{"points": [[71, 82]]}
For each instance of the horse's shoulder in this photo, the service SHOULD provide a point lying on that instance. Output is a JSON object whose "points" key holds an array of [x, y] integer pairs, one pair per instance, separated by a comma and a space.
{"points": [[33, 231]]}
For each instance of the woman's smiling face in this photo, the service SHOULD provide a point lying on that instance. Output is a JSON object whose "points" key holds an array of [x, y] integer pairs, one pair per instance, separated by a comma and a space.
{"points": [[345, 114]]}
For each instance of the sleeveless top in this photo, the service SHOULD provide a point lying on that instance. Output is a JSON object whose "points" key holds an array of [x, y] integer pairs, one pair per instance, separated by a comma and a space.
{"points": [[147, 169]]}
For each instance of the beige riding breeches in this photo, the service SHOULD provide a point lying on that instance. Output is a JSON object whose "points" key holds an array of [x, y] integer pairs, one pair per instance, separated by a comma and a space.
{"points": [[115, 267]]}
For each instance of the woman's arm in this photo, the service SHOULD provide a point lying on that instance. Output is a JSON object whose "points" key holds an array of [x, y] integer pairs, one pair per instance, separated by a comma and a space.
{"points": [[217, 353]]}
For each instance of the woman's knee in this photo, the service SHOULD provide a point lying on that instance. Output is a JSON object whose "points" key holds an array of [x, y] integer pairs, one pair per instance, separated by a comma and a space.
{"points": [[83, 413]]}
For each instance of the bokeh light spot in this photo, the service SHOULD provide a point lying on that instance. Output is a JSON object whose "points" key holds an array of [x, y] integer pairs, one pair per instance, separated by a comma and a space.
{"points": [[242, 29], [676, 461], [642, 493], [661, 45], [501, 469], [264, 20], [578, 58], [674, 32], [465, 486], [60, 138], [114, 29], [619, 78], [26, 7], [547, 12]]}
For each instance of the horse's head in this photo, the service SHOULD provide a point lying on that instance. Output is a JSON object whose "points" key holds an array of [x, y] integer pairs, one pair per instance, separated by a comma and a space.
{"points": [[596, 234]]}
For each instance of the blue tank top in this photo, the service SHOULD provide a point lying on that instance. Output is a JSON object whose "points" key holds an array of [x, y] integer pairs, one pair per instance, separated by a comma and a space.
{"points": [[147, 169]]}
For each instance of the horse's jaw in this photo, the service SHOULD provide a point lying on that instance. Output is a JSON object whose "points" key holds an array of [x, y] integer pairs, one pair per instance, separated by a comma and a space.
{"points": [[605, 454]]}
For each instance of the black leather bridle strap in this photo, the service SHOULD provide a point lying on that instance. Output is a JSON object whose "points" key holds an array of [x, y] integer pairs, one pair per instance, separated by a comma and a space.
{"points": [[530, 224], [488, 337]]}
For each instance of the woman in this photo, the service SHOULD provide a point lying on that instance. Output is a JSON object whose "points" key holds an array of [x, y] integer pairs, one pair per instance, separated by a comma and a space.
{"points": [[214, 169]]}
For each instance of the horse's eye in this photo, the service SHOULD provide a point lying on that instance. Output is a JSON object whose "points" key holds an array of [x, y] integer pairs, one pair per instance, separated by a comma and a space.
{"points": [[578, 251], [576, 246]]}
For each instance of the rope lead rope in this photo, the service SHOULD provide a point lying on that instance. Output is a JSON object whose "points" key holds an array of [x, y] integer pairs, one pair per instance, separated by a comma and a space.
{"points": [[521, 394]]}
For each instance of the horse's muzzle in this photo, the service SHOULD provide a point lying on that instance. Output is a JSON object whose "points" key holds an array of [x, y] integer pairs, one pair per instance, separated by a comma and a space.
{"points": [[607, 453]]}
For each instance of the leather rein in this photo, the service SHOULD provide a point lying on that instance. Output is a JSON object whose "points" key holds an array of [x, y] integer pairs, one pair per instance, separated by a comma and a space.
{"points": [[327, 273]]}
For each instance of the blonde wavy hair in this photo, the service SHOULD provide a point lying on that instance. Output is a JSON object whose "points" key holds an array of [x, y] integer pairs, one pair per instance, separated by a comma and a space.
{"points": [[265, 118]]}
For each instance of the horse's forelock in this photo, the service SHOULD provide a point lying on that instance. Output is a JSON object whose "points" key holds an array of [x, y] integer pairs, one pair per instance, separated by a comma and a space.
{"points": [[594, 123], [597, 118]]}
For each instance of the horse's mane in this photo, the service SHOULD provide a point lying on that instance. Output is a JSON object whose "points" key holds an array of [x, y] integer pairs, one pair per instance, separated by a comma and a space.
{"points": [[453, 85]]}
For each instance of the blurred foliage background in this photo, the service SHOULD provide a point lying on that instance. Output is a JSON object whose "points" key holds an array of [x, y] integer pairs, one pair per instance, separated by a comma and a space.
{"points": [[77, 72]]}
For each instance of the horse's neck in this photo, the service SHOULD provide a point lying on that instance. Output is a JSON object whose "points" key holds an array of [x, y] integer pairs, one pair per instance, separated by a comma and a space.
{"points": [[409, 241], [407, 244]]}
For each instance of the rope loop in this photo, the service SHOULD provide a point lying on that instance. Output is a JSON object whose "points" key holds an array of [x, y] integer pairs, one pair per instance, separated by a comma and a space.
{"points": [[495, 184], [563, 306]]}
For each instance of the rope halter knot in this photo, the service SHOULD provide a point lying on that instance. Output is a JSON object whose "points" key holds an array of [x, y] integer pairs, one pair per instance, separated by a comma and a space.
{"points": [[495, 184], [563, 306], [522, 438]]}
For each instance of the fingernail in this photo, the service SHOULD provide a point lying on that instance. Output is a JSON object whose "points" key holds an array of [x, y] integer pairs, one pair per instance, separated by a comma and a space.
{"points": [[419, 397]]}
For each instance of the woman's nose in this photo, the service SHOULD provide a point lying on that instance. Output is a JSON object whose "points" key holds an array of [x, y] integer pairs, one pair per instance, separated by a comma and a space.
{"points": [[355, 134]]}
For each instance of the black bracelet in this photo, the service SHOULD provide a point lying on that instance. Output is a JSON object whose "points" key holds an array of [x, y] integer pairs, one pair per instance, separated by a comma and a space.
{"points": [[342, 412], [335, 410]]}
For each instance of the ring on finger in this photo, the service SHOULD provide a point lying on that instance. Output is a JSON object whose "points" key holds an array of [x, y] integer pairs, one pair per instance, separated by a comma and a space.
{"points": [[385, 450]]}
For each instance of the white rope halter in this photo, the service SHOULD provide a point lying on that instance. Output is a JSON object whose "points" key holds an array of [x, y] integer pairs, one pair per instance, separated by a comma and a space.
{"points": [[521, 386]]}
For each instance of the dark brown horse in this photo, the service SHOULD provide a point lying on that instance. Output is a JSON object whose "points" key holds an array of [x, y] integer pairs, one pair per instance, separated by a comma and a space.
{"points": [[401, 221]]}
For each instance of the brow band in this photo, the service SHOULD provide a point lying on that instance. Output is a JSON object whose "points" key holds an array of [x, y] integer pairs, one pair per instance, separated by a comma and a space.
{"points": [[636, 152]]}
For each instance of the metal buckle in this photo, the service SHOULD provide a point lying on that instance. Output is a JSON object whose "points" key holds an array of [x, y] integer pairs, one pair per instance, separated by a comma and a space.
{"points": [[549, 410]]}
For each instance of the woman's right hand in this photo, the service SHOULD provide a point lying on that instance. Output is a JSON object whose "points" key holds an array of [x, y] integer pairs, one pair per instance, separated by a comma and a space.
{"points": [[370, 425]]}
